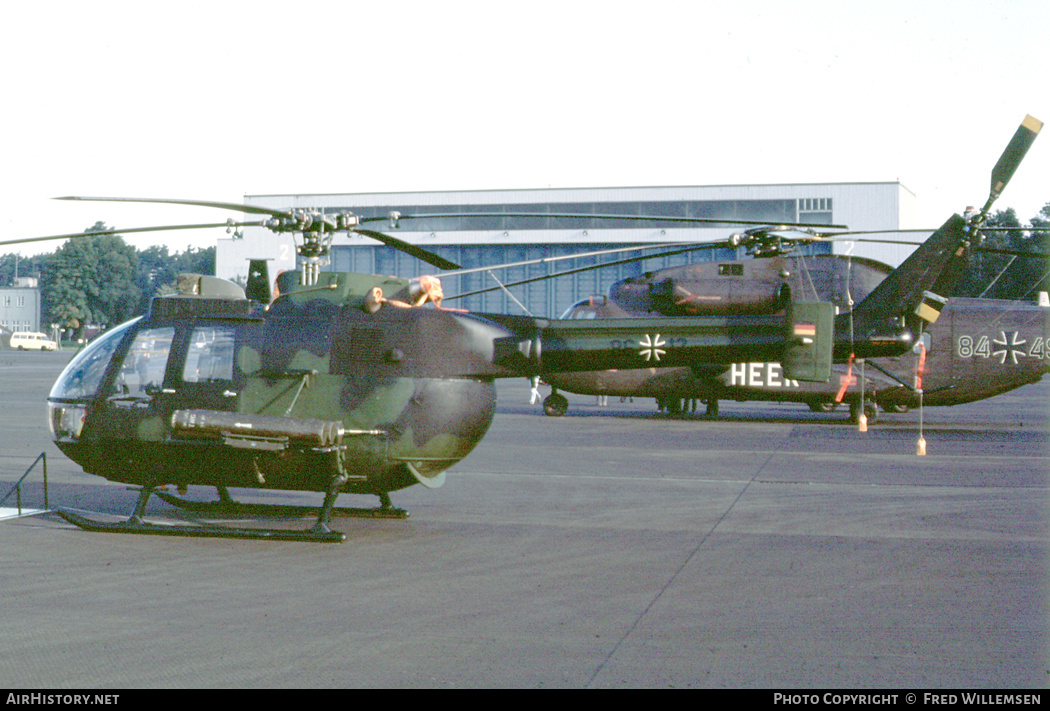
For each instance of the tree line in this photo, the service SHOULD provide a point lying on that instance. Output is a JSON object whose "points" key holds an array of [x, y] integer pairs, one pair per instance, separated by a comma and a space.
{"points": [[1001, 276], [102, 280]]}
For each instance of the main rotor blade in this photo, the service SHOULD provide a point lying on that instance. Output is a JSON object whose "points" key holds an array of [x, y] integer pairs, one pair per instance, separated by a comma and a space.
{"points": [[250, 209], [1011, 252], [572, 215], [410, 249], [1015, 229], [840, 238], [847, 236], [585, 255], [117, 231], [579, 270], [418, 252]]}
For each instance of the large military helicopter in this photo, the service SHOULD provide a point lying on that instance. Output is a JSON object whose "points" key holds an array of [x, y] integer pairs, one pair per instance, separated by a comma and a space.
{"points": [[368, 384], [976, 349], [963, 357]]}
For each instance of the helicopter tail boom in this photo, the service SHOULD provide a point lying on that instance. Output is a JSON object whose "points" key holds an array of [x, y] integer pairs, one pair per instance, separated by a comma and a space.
{"points": [[905, 299], [541, 346]]}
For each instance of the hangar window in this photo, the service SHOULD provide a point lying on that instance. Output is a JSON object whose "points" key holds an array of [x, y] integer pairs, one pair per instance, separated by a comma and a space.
{"points": [[814, 211]]}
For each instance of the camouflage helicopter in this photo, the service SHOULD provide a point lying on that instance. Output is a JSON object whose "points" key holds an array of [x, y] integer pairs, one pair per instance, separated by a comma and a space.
{"points": [[364, 384]]}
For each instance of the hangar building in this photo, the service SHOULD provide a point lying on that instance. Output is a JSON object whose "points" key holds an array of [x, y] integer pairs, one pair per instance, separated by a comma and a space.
{"points": [[514, 237]]}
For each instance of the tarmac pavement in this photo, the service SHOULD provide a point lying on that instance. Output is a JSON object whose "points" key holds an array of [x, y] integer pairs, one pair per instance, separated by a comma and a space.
{"points": [[612, 547]]}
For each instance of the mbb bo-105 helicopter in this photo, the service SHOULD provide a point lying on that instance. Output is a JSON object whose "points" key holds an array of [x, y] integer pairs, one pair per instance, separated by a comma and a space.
{"points": [[340, 385]]}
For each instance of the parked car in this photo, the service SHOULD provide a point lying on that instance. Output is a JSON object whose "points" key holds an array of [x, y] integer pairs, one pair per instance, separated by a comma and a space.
{"points": [[30, 341]]}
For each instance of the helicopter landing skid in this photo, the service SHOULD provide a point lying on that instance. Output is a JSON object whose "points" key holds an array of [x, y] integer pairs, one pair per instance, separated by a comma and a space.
{"points": [[227, 505], [143, 527], [135, 524]]}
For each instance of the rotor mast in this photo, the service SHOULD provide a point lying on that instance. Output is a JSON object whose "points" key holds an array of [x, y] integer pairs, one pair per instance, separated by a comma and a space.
{"points": [[315, 230]]}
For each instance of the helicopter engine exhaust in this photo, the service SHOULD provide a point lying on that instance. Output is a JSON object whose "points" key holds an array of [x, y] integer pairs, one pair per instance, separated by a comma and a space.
{"points": [[248, 428]]}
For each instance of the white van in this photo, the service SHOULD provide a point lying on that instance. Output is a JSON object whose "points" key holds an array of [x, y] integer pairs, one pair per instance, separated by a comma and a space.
{"points": [[30, 341]]}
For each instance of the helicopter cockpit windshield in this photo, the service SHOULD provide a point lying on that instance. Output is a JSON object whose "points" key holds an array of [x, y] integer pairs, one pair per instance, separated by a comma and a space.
{"points": [[82, 377], [582, 309], [79, 382], [125, 374], [140, 376]]}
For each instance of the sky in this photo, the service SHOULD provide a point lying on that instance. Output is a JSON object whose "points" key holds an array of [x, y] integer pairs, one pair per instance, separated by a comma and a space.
{"points": [[215, 100]]}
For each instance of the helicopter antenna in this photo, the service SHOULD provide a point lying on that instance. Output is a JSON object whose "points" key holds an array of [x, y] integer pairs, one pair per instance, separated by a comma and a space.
{"points": [[507, 292], [997, 277], [1037, 283]]}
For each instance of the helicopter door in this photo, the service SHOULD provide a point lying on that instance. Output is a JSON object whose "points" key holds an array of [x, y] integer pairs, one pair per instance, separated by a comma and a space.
{"points": [[166, 369], [130, 402], [207, 375]]}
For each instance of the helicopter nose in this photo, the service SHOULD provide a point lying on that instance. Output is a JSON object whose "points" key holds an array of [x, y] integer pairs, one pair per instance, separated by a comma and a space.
{"points": [[441, 424]]}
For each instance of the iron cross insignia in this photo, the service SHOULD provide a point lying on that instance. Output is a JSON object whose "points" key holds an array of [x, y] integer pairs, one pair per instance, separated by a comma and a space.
{"points": [[651, 347]]}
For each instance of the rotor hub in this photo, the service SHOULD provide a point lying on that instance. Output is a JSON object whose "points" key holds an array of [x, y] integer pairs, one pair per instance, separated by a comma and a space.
{"points": [[769, 242], [313, 221]]}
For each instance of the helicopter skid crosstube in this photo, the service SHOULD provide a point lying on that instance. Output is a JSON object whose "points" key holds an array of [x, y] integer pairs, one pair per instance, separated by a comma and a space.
{"points": [[135, 525], [229, 506]]}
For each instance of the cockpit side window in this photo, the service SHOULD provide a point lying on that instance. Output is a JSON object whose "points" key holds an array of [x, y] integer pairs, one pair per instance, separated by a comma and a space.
{"points": [[142, 372], [209, 356], [583, 309]]}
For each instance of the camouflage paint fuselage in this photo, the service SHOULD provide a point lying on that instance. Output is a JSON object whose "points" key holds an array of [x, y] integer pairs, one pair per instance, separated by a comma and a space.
{"points": [[413, 389]]}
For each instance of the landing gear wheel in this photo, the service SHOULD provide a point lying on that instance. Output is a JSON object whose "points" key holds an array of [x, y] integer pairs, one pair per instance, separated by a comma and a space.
{"points": [[871, 412], [871, 409], [556, 405]]}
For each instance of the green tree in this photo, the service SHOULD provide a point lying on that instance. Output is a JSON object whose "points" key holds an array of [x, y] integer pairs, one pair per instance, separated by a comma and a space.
{"points": [[1003, 276], [1034, 274], [91, 280], [156, 274], [159, 270], [195, 261], [16, 265]]}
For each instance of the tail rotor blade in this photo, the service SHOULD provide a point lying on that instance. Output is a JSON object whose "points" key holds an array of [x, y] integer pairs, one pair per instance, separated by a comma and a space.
{"points": [[1013, 155]]}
